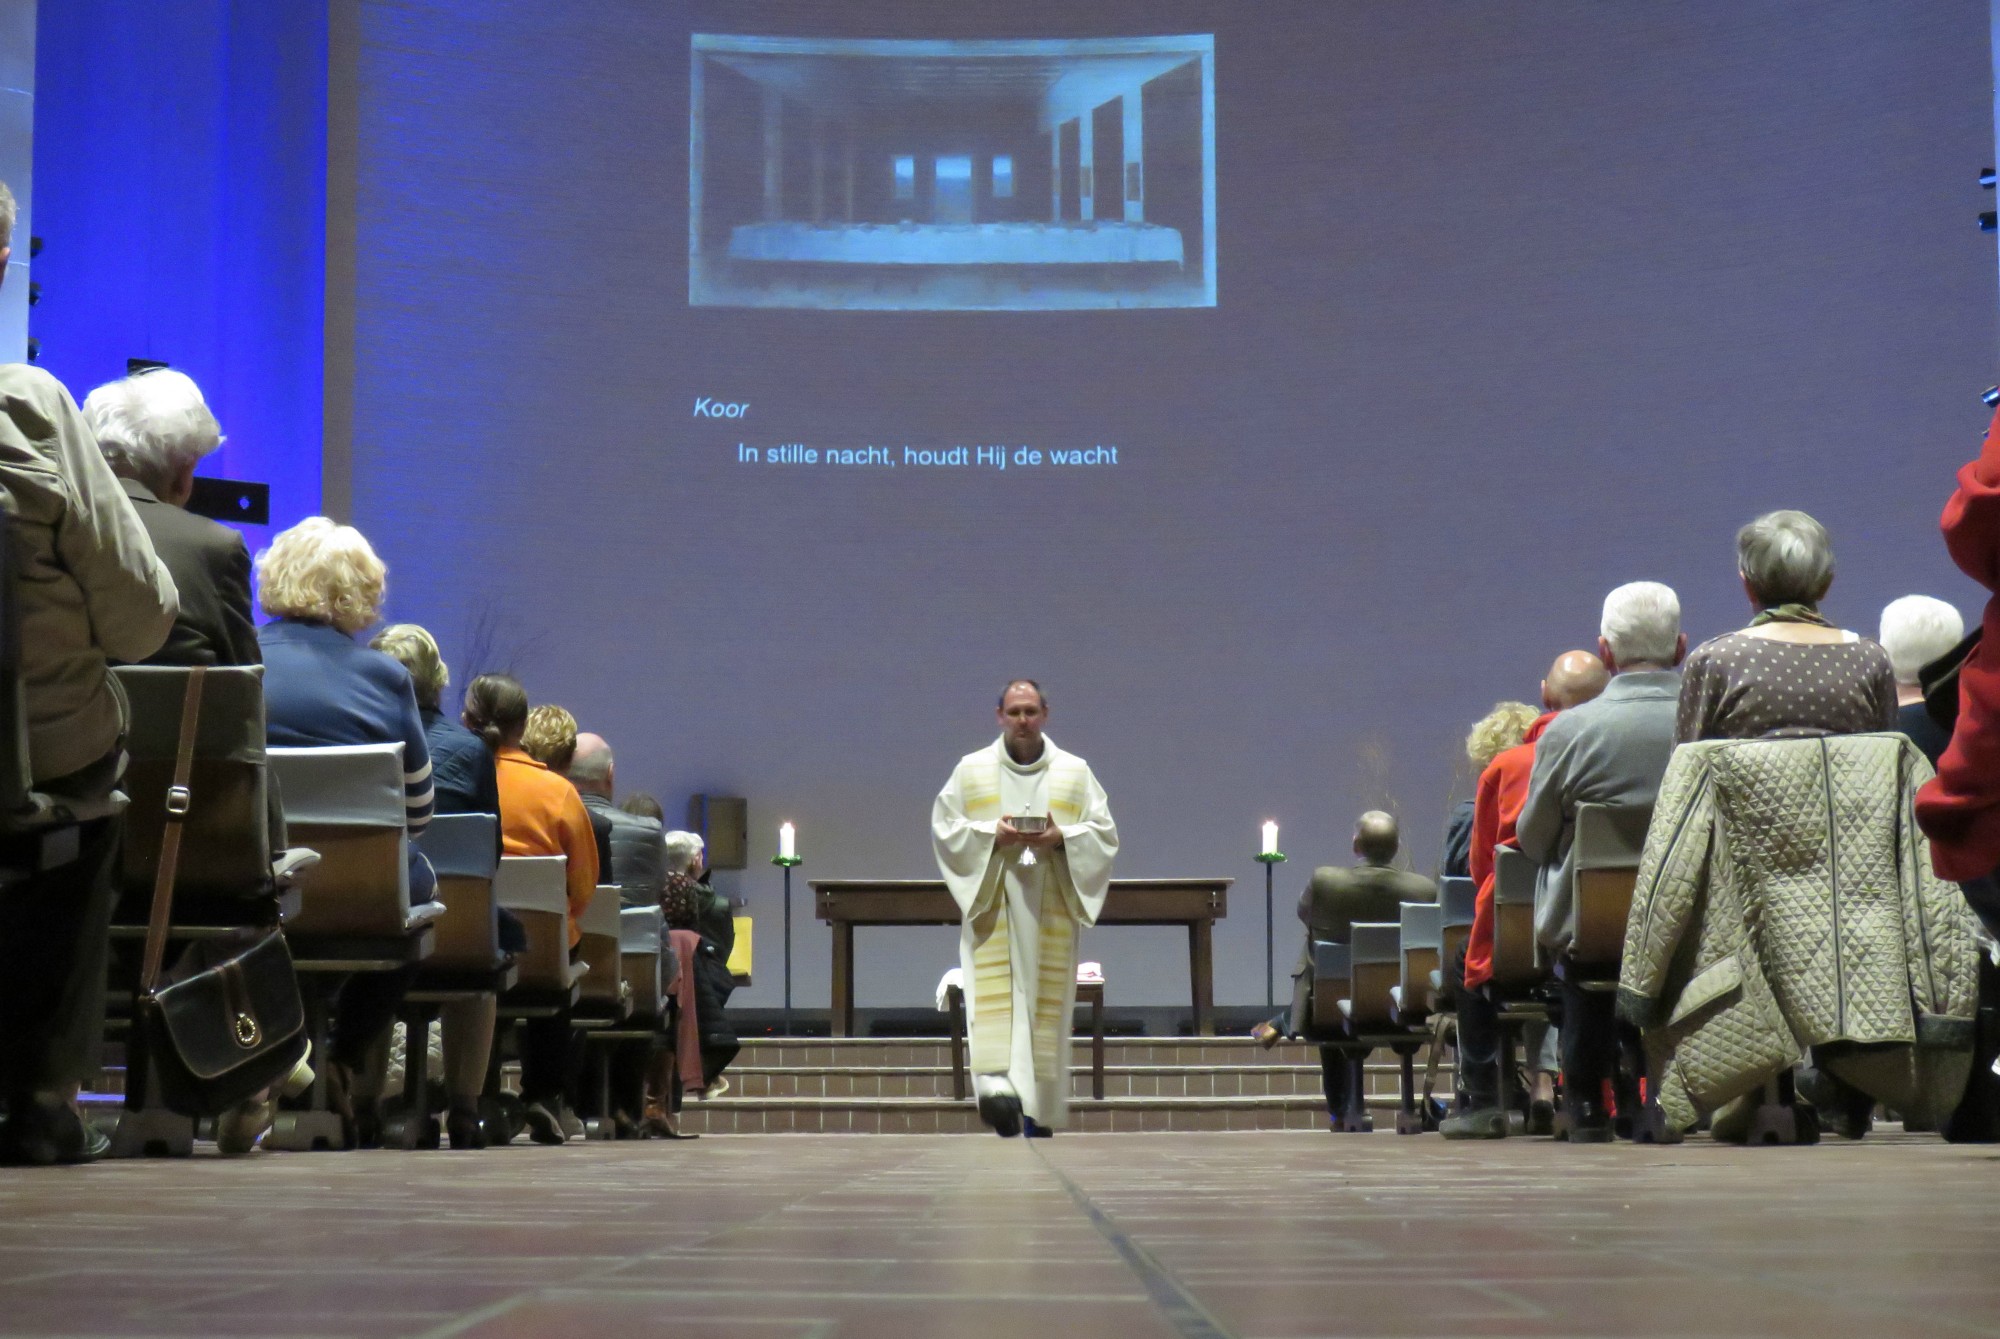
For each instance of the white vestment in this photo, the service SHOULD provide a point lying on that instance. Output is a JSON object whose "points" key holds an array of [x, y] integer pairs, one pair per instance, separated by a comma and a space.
{"points": [[1017, 942]]}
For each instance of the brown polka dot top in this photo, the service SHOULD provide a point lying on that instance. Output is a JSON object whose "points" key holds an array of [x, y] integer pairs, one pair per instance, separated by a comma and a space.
{"points": [[1742, 687]]}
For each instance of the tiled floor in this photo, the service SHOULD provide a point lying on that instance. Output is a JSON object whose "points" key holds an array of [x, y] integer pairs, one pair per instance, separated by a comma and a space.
{"points": [[1120, 1236]]}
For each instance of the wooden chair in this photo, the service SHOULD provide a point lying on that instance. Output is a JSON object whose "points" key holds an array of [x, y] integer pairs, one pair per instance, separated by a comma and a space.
{"points": [[346, 802], [534, 888], [604, 1003], [466, 959], [1375, 955], [228, 878], [1422, 946], [1519, 973], [1605, 863]]}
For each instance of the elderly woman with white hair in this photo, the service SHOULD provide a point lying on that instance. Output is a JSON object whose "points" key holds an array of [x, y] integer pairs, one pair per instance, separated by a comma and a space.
{"points": [[322, 583], [1791, 672], [1916, 630], [154, 428], [699, 922]]}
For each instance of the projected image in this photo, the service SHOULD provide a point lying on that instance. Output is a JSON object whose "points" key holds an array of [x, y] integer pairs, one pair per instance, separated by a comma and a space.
{"points": [[937, 176]]}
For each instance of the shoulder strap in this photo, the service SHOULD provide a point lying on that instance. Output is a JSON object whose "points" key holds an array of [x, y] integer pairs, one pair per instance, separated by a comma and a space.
{"points": [[170, 835]]}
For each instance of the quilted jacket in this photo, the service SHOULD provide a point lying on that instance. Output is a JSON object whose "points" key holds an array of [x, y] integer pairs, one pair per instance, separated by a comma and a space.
{"points": [[1786, 900]]}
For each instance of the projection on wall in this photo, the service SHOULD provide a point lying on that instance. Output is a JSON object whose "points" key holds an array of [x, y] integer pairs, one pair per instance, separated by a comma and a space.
{"points": [[951, 176]]}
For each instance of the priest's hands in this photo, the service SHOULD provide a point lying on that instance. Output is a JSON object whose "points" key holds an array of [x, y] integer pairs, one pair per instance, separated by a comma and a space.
{"points": [[1006, 834]]}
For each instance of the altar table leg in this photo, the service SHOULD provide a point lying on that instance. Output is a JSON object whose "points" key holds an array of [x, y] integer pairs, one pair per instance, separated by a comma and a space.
{"points": [[1201, 969], [843, 979]]}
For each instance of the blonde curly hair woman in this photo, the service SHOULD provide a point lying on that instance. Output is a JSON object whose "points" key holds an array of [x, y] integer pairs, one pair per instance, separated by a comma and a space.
{"points": [[1493, 734]]}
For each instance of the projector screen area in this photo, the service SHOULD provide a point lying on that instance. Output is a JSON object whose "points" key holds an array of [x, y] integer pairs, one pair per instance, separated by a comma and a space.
{"points": [[1279, 384]]}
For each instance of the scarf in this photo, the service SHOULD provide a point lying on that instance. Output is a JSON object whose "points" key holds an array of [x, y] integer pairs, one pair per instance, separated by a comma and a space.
{"points": [[1796, 612]]}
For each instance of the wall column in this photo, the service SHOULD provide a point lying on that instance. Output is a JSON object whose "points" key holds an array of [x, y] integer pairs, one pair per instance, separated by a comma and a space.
{"points": [[1055, 171], [774, 156], [819, 167], [1133, 187], [1086, 189]]}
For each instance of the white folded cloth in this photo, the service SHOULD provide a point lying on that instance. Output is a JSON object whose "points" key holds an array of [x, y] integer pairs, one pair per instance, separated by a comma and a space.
{"points": [[1090, 974], [954, 977]]}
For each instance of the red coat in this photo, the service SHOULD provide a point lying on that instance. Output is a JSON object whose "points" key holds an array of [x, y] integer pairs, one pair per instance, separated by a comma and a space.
{"points": [[1496, 807], [1960, 809]]}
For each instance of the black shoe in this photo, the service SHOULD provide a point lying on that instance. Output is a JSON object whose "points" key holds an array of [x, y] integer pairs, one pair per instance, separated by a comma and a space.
{"points": [[1034, 1129], [1589, 1123], [1541, 1117], [44, 1130], [1002, 1111], [462, 1127], [543, 1125]]}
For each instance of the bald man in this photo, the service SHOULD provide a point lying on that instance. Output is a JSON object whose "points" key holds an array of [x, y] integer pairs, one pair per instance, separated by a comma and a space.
{"points": [[630, 852], [1575, 678], [1369, 892]]}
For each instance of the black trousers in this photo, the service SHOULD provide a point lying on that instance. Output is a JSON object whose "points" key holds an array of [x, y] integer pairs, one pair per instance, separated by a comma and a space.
{"points": [[1334, 1070], [55, 928], [365, 1010], [1478, 1038], [1589, 1043], [551, 1058]]}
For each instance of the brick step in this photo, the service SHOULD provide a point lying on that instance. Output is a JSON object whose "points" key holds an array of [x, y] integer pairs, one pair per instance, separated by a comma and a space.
{"points": [[734, 1115], [934, 1081], [904, 1052]]}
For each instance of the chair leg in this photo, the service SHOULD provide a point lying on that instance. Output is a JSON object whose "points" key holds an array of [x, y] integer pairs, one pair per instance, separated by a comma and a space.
{"points": [[149, 1130], [1410, 1118], [315, 1129]]}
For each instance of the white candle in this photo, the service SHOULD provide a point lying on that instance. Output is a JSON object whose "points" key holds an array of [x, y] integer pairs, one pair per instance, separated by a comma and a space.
{"points": [[786, 842], [1270, 837]]}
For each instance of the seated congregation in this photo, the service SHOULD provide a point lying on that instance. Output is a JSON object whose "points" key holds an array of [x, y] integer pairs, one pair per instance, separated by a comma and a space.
{"points": [[261, 860], [1695, 890]]}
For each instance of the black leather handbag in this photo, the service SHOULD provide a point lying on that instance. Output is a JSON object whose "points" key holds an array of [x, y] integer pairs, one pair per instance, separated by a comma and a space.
{"points": [[234, 1026]]}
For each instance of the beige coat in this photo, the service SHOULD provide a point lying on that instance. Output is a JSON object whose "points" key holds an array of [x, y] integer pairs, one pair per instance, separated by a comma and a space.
{"points": [[90, 587], [1785, 900]]}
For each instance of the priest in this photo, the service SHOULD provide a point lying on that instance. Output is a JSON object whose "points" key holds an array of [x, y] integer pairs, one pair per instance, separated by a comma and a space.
{"points": [[1025, 840]]}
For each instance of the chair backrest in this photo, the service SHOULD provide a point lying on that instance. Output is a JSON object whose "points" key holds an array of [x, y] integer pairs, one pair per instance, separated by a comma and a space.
{"points": [[462, 845], [641, 931], [226, 836], [1514, 958], [536, 889], [1458, 900], [1604, 860], [600, 928], [464, 853], [346, 802], [1422, 942], [1332, 971], [1375, 954]]}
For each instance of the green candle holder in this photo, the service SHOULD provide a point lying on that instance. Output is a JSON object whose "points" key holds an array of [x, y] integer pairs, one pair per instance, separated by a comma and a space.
{"points": [[793, 862], [1271, 858]]}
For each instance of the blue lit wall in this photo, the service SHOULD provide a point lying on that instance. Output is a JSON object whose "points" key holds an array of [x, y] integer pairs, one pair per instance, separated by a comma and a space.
{"points": [[180, 166]]}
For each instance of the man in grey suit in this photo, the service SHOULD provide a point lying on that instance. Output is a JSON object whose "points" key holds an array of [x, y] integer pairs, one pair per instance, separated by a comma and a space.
{"points": [[1337, 897], [1610, 751], [638, 860], [154, 428]]}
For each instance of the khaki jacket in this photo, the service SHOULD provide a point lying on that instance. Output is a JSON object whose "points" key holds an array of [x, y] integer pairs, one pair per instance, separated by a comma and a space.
{"points": [[1785, 900], [90, 586]]}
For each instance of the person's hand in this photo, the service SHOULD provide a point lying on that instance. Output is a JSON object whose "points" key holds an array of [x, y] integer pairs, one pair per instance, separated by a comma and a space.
{"points": [[1047, 839], [1006, 834]]}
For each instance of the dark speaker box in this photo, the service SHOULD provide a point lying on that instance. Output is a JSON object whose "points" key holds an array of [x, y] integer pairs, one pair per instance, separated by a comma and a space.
{"points": [[724, 824]]}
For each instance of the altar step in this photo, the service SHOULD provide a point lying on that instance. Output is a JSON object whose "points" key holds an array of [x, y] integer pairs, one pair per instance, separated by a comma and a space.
{"points": [[900, 1086]]}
